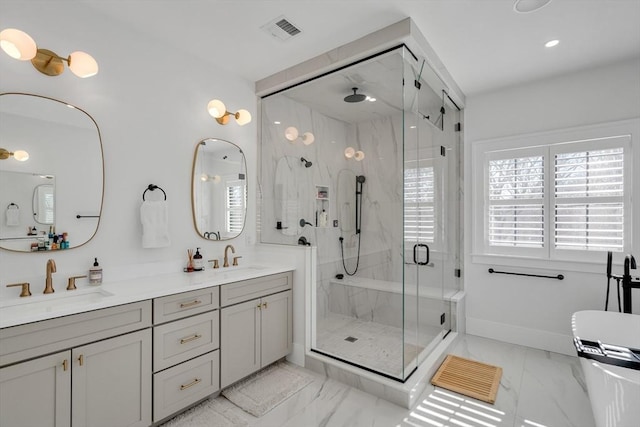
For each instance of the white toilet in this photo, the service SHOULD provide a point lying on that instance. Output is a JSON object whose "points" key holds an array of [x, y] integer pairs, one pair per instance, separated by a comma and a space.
{"points": [[608, 345]]}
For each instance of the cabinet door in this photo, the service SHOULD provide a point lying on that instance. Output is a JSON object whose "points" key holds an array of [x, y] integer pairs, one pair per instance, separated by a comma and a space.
{"points": [[112, 382], [277, 327], [239, 341], [37, 393]]}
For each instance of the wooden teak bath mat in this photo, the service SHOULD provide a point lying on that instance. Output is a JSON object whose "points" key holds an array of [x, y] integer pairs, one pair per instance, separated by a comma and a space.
{"points": [[468, 377]]}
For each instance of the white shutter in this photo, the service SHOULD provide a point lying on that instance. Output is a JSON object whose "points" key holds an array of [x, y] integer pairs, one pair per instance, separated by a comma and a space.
{"points": [[516, 202], [235, 206], [419, 206], [589, 200]]}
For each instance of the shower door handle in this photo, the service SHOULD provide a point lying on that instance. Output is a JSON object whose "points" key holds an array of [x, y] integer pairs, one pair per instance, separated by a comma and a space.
{"points": [[415, 254]]}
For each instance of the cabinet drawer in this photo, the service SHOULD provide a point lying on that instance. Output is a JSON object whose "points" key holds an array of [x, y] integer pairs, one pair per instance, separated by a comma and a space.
{"points": [[174, 307], [38, 338], [185, 339], [184, 384], [235, 293]]}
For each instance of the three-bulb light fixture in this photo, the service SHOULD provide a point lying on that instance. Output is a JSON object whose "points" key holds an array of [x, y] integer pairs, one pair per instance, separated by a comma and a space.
{"points": [[19, 155], [218, 111], [19, 45], [351, 153], [292, 134]]}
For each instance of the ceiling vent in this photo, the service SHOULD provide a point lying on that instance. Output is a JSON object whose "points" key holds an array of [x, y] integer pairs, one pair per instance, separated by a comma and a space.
{"points": [[281, 28]]}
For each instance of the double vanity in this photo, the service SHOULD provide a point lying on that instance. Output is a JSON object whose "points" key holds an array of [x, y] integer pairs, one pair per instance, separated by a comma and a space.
{"points": [[135, 352]]}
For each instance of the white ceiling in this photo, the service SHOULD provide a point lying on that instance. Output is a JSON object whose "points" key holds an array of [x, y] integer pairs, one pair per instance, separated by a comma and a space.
{"points": [[483, 43]]}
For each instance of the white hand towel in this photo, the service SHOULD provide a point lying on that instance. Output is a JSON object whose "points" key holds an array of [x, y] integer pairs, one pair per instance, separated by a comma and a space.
{"points": [[154, 215], [13, 216]]}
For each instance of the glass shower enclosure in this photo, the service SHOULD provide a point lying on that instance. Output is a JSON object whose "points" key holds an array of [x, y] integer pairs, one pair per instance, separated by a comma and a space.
{"points": [[363, 163]]}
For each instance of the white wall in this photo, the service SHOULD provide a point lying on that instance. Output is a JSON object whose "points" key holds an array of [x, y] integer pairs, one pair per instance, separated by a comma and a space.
{"points": [[149, 101], [531, 311]]}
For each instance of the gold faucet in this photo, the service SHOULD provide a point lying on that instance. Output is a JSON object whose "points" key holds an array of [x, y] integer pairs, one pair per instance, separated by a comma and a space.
{"points": [[226, 257], [51, 268]]}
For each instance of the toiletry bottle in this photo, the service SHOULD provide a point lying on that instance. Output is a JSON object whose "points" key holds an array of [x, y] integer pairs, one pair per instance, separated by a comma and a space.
{"points": [[198, 262], [95, 273]]}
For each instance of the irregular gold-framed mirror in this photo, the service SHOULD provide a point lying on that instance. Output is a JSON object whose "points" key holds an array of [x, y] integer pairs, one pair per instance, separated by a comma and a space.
{"points": [[55, 190], [218, 189]]}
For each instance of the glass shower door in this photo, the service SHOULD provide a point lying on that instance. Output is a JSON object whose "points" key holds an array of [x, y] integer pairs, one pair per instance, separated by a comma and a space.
{"points": [[425, 221]]}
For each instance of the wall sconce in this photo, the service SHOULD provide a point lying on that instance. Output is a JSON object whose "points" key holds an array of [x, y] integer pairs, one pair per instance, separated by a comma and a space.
{"points": [[19, 155], [19, 45], [215, 178], [291, 133], [351, 153], [218, 111]]}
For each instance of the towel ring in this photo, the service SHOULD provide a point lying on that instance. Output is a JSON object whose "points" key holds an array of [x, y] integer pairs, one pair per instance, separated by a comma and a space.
{"points": [[13, 204], [153, 187]]}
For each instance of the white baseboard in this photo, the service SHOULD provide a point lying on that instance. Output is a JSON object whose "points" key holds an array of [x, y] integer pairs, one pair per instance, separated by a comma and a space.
{"points": [[535, 338]]}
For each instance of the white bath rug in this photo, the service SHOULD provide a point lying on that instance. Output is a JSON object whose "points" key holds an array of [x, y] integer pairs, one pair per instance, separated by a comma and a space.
{"points": [[264, 390], [218, 412]]}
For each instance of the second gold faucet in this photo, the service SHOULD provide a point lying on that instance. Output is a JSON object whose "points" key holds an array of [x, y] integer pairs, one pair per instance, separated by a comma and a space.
{"points": [[51, 268], [226, 256]]}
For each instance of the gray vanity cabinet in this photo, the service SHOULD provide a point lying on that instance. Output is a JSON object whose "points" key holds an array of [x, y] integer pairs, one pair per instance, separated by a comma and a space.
{"points": [[111, 382], [256, 325], [104, 383], [186, 361], [37, 392]]}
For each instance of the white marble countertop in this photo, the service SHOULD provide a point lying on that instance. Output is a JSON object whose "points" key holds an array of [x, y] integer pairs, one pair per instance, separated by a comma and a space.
{"points": [[18, 311]]}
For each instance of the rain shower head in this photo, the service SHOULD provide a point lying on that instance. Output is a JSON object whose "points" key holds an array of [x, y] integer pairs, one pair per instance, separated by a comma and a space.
{"points": [[355, 97], [307, 163]]}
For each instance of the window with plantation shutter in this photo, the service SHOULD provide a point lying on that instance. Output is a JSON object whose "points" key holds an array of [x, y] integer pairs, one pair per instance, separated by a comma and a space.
{"points": [[589, 200], [546, 197], [516, 202], [236, 197], [419, 204]]}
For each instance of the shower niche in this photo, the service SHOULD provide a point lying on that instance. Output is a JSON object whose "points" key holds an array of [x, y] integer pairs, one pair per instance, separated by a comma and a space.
{"points": [[378, 192]]}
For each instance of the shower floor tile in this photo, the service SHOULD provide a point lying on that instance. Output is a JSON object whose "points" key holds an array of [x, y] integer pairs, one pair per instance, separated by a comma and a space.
{"points": [[369, 344]]}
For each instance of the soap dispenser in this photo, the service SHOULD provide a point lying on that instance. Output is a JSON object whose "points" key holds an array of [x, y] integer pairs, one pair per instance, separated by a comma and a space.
{"points": [[198, 262], [95, 273]]}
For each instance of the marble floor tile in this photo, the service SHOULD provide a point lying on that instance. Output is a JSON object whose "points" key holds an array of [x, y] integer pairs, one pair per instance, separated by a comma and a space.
{"points": [[538, 389], [553, 391]]}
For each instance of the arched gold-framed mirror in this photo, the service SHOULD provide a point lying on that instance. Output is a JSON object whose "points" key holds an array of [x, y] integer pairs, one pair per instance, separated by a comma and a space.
{"points": [[218, 189]]}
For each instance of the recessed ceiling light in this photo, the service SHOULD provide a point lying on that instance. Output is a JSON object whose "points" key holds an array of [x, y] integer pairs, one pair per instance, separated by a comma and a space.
{"points": [[526, 6], [551, 43], [276, 123]]}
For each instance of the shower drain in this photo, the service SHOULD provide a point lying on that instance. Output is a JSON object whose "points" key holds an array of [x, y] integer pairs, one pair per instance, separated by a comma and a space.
{"points": [[351, 339]]}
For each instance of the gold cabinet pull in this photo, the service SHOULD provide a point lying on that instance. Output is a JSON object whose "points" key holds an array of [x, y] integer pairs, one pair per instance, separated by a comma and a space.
{"points": [[65, 365], [191, 384], [189, 339], [190, 304], [259, 306], [264, 305], [81, 360]]}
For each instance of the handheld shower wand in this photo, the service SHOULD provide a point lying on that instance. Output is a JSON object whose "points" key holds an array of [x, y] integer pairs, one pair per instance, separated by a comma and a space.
{"points": [[359, 182]]}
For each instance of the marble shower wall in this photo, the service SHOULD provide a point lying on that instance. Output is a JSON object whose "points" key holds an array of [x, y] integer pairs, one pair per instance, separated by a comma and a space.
{"points": [[287, 197]]}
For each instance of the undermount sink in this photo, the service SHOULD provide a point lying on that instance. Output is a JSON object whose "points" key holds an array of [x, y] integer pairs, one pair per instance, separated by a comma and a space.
{"points": [[226, 273], [48, 303], [243, 269]]}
